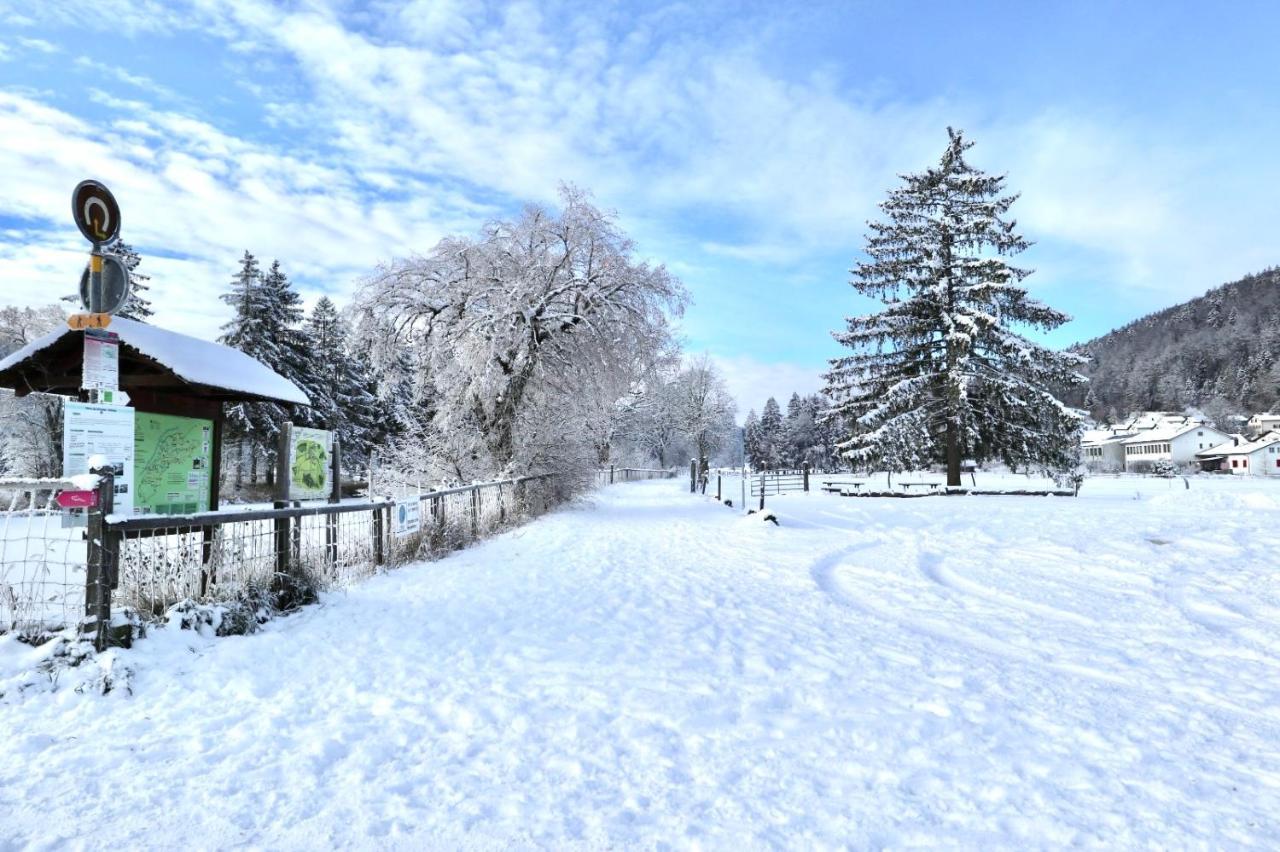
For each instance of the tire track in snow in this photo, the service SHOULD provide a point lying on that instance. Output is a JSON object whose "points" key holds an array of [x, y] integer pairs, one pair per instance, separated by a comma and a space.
{"points": [[932, 567]]}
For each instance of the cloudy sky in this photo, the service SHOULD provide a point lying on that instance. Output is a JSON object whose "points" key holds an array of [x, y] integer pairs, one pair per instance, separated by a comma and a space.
{"points": [[744, 145]]}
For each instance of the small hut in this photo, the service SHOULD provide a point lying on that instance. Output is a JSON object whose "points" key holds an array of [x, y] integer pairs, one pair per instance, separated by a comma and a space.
{"points": [[171, 376]]}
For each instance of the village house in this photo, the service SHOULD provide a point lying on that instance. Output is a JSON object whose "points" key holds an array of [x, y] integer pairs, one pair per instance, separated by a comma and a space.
{"points": [[1102, 450], [1260, 424], [1259, 457], [1175, 445]]}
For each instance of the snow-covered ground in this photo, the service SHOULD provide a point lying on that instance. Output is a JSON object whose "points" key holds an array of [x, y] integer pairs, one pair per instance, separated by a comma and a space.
{"points": [[650, 668]]}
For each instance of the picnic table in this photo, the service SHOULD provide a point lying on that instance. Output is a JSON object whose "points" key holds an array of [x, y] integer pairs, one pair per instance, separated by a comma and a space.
{"points": [[832, 486], [933, 486]]}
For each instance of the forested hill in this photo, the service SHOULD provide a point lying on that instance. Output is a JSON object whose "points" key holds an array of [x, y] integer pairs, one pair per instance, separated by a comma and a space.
{"points": [[1219, 353]]}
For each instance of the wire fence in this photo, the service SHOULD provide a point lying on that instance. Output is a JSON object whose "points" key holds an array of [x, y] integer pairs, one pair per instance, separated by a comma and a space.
{"points": [[51, 578], [42, 563]]}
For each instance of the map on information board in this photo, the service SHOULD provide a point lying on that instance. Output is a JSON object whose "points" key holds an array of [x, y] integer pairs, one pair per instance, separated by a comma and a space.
{"points": [[310, 453], [173, 459]]}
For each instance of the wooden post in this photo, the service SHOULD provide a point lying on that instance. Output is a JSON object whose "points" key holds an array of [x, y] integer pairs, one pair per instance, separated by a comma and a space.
{"points": [[762, 490], [335, 496], [475, 512], [610, 474], [693, 476], [806, 477], [378, 555], [96, 626], [718, 488], [283, 543]]}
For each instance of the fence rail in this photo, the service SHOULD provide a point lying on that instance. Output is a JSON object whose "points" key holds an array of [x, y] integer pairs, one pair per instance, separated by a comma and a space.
{"points": [[52, 576]]}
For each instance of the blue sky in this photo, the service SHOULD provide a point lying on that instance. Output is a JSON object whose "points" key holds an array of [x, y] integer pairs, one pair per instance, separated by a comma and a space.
{"points": [[745, 145]]}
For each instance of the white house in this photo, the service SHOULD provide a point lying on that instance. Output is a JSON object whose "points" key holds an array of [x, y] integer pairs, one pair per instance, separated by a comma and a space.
{"points": [[1175, 444], [1102, 450], [1259, 457], [1260, 424]]}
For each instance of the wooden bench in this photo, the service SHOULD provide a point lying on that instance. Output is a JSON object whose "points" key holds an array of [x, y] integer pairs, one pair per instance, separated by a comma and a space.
{"points": [[932, 486]]}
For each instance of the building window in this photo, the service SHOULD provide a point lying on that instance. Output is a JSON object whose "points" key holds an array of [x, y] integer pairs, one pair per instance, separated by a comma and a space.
{"points": [[1233, 462]]}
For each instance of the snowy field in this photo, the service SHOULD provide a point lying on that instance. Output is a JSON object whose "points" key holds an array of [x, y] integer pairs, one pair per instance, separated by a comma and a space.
{"points": [[650, 669]]}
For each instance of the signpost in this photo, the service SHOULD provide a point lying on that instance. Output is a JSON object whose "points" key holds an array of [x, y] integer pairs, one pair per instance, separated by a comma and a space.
{"points": [[115, 289], [97, 215]]}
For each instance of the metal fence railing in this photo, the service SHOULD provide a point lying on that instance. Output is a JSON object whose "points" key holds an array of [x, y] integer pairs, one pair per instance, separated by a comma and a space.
{"points": [[51, 578], [611, 475], [42, 563]]}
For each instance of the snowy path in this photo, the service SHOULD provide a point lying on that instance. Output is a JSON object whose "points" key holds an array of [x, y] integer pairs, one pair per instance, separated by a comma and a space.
{"points": [[650, 668]]}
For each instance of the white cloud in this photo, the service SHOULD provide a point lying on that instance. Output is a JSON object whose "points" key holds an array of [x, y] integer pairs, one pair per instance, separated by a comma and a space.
{"points": [[39, 45], [751, 381], [444, 113]]}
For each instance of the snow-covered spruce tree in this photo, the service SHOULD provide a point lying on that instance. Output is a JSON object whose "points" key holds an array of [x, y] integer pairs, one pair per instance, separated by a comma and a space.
{"points": [[771, 436], [139, 306], [751, 443], [245, 421], [342, 397], [939, 375]]}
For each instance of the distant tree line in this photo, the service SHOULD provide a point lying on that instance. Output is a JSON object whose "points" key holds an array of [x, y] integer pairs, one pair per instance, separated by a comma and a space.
{"points": [[773, 440]]}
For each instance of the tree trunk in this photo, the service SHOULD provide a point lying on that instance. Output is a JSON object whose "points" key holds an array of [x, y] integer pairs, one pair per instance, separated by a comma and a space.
{"points": [[953, 455]]}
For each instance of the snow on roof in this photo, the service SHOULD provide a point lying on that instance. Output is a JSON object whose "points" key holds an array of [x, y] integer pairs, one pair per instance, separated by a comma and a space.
{"points": [[1168, 433], [1246, 447], [197, 361], [1095, 437]]}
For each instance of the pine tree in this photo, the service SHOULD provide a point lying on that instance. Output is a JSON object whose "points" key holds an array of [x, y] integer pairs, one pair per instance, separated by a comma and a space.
{"points": [[771, 438], [751, 441], [250, 425], [138, 307], [342, 396], [938, 375]]}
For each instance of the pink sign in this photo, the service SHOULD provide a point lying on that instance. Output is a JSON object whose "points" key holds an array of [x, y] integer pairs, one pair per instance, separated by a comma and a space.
{"points": [[77, 499]]}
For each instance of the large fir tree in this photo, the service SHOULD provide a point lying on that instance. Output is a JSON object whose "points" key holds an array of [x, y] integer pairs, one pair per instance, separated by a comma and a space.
{"points": [[342, 395], [939, 375], [771, 435]]}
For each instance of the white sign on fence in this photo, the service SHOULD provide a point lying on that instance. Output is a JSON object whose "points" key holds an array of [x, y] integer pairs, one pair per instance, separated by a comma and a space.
{"points": [[408, 517], [90, 430]]}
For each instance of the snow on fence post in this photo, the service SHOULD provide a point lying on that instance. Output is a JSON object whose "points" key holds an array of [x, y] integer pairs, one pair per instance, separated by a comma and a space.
{"points": [[99, 572]]}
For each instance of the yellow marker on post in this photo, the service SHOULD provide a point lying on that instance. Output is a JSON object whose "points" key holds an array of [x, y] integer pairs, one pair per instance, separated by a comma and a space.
{"points": [[82, 321]]}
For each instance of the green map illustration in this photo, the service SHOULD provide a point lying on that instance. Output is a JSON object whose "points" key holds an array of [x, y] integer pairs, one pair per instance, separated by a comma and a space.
{"points": [[310, 465], [172, 461]]}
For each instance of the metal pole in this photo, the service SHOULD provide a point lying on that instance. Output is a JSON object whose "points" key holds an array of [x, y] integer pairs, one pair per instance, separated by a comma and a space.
{"points": [[95, 281]]}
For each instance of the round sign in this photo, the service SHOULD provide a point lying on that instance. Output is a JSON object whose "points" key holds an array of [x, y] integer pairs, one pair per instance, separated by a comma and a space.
{"points": [[96, 213], [115, 287]]}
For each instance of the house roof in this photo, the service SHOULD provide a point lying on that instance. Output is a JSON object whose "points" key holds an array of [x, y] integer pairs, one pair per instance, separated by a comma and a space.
{"points": [[151, 358], [1097, 437], [1168, 433], [1244, 448]]}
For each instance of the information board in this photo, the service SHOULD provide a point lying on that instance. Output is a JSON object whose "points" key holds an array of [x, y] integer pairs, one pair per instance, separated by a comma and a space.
{"points": [[310, 454], [101, 360], [173, 464], [89, 430]]}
